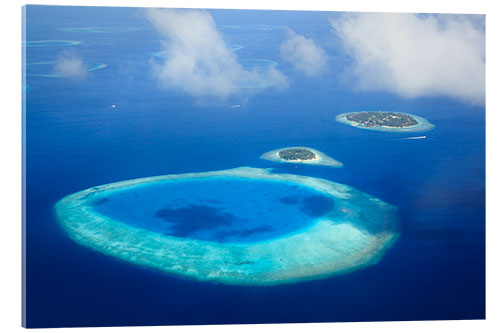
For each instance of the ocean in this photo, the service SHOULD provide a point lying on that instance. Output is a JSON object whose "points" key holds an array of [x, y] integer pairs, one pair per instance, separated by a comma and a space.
{"points": [[118, 123]]}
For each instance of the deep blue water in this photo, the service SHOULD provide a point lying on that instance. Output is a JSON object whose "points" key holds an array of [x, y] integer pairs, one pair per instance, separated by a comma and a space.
{"points": [[220, 209], [75, 139]]}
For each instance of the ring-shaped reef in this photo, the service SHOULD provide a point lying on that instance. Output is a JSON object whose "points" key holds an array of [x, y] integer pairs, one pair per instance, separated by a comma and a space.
{"points": [[103, 30], [50, 43], [301, 155], [46, 68], [164, 54], [256, 83], [250, 27], [257, 64], [420, 124], [236, 47], [257, 78], [173, 223]]}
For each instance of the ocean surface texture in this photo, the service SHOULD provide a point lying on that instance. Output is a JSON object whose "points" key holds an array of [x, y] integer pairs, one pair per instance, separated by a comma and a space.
{"points": [[98, 110]]}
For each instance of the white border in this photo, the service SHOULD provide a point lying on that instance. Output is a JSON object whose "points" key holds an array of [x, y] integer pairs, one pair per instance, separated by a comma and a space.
{"points": [[10, 131]]}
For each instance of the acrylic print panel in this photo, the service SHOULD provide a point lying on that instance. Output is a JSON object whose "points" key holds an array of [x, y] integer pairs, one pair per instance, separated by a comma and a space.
{"points": [[238, 166]]}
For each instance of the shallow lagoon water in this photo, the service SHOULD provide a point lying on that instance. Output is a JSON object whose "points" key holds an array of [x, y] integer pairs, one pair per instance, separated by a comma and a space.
{"points": [[221, 209], [225, 226]]}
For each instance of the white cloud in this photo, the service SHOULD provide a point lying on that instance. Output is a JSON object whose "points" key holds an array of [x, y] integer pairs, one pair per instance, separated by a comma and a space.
{"points": [[417, 55], [303, 54], [199, 61], [70, 66]]}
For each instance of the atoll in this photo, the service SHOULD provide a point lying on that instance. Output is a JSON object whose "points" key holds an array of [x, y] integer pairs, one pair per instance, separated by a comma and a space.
{"points": [[353, 234]]}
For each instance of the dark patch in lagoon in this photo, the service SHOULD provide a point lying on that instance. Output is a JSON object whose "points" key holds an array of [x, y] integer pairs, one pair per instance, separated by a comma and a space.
{"points": [[100, 201], [313, 206], [316, 206], [193, 218], [255, 211], [213, 201], [289, 200]]}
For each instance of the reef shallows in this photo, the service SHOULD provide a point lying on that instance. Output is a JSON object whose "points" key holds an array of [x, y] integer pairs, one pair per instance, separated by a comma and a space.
{"points": [[354, 233]]}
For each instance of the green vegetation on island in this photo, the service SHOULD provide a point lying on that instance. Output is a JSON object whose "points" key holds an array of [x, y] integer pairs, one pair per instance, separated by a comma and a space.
{"points": [[381, 118], [300, 155], [294, 154]]}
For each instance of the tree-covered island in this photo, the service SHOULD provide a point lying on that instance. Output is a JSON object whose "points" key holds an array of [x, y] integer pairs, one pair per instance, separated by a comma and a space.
{"points": [[300, 155], [294, 154], [381, 118]]}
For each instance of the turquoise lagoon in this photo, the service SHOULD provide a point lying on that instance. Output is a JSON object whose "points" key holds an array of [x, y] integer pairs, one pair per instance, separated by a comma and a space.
{"points": [[244, 226]]}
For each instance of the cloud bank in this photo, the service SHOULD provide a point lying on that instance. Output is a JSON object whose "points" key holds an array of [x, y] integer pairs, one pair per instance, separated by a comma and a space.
{"points": [[199, 61], [70, 66], [303, 54], [417, 55]]}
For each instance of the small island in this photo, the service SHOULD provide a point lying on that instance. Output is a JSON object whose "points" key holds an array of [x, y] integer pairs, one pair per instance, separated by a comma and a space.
{"points": [[303, 155], [385, 121], [389, 119], [297, 154]]}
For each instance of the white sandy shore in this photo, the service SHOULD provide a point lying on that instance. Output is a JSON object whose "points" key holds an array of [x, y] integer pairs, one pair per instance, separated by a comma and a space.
{"points": [[320, 158]]}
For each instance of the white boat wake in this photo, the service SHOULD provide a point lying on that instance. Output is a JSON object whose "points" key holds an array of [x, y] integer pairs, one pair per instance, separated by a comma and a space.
{"points": [[414, 138]]}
